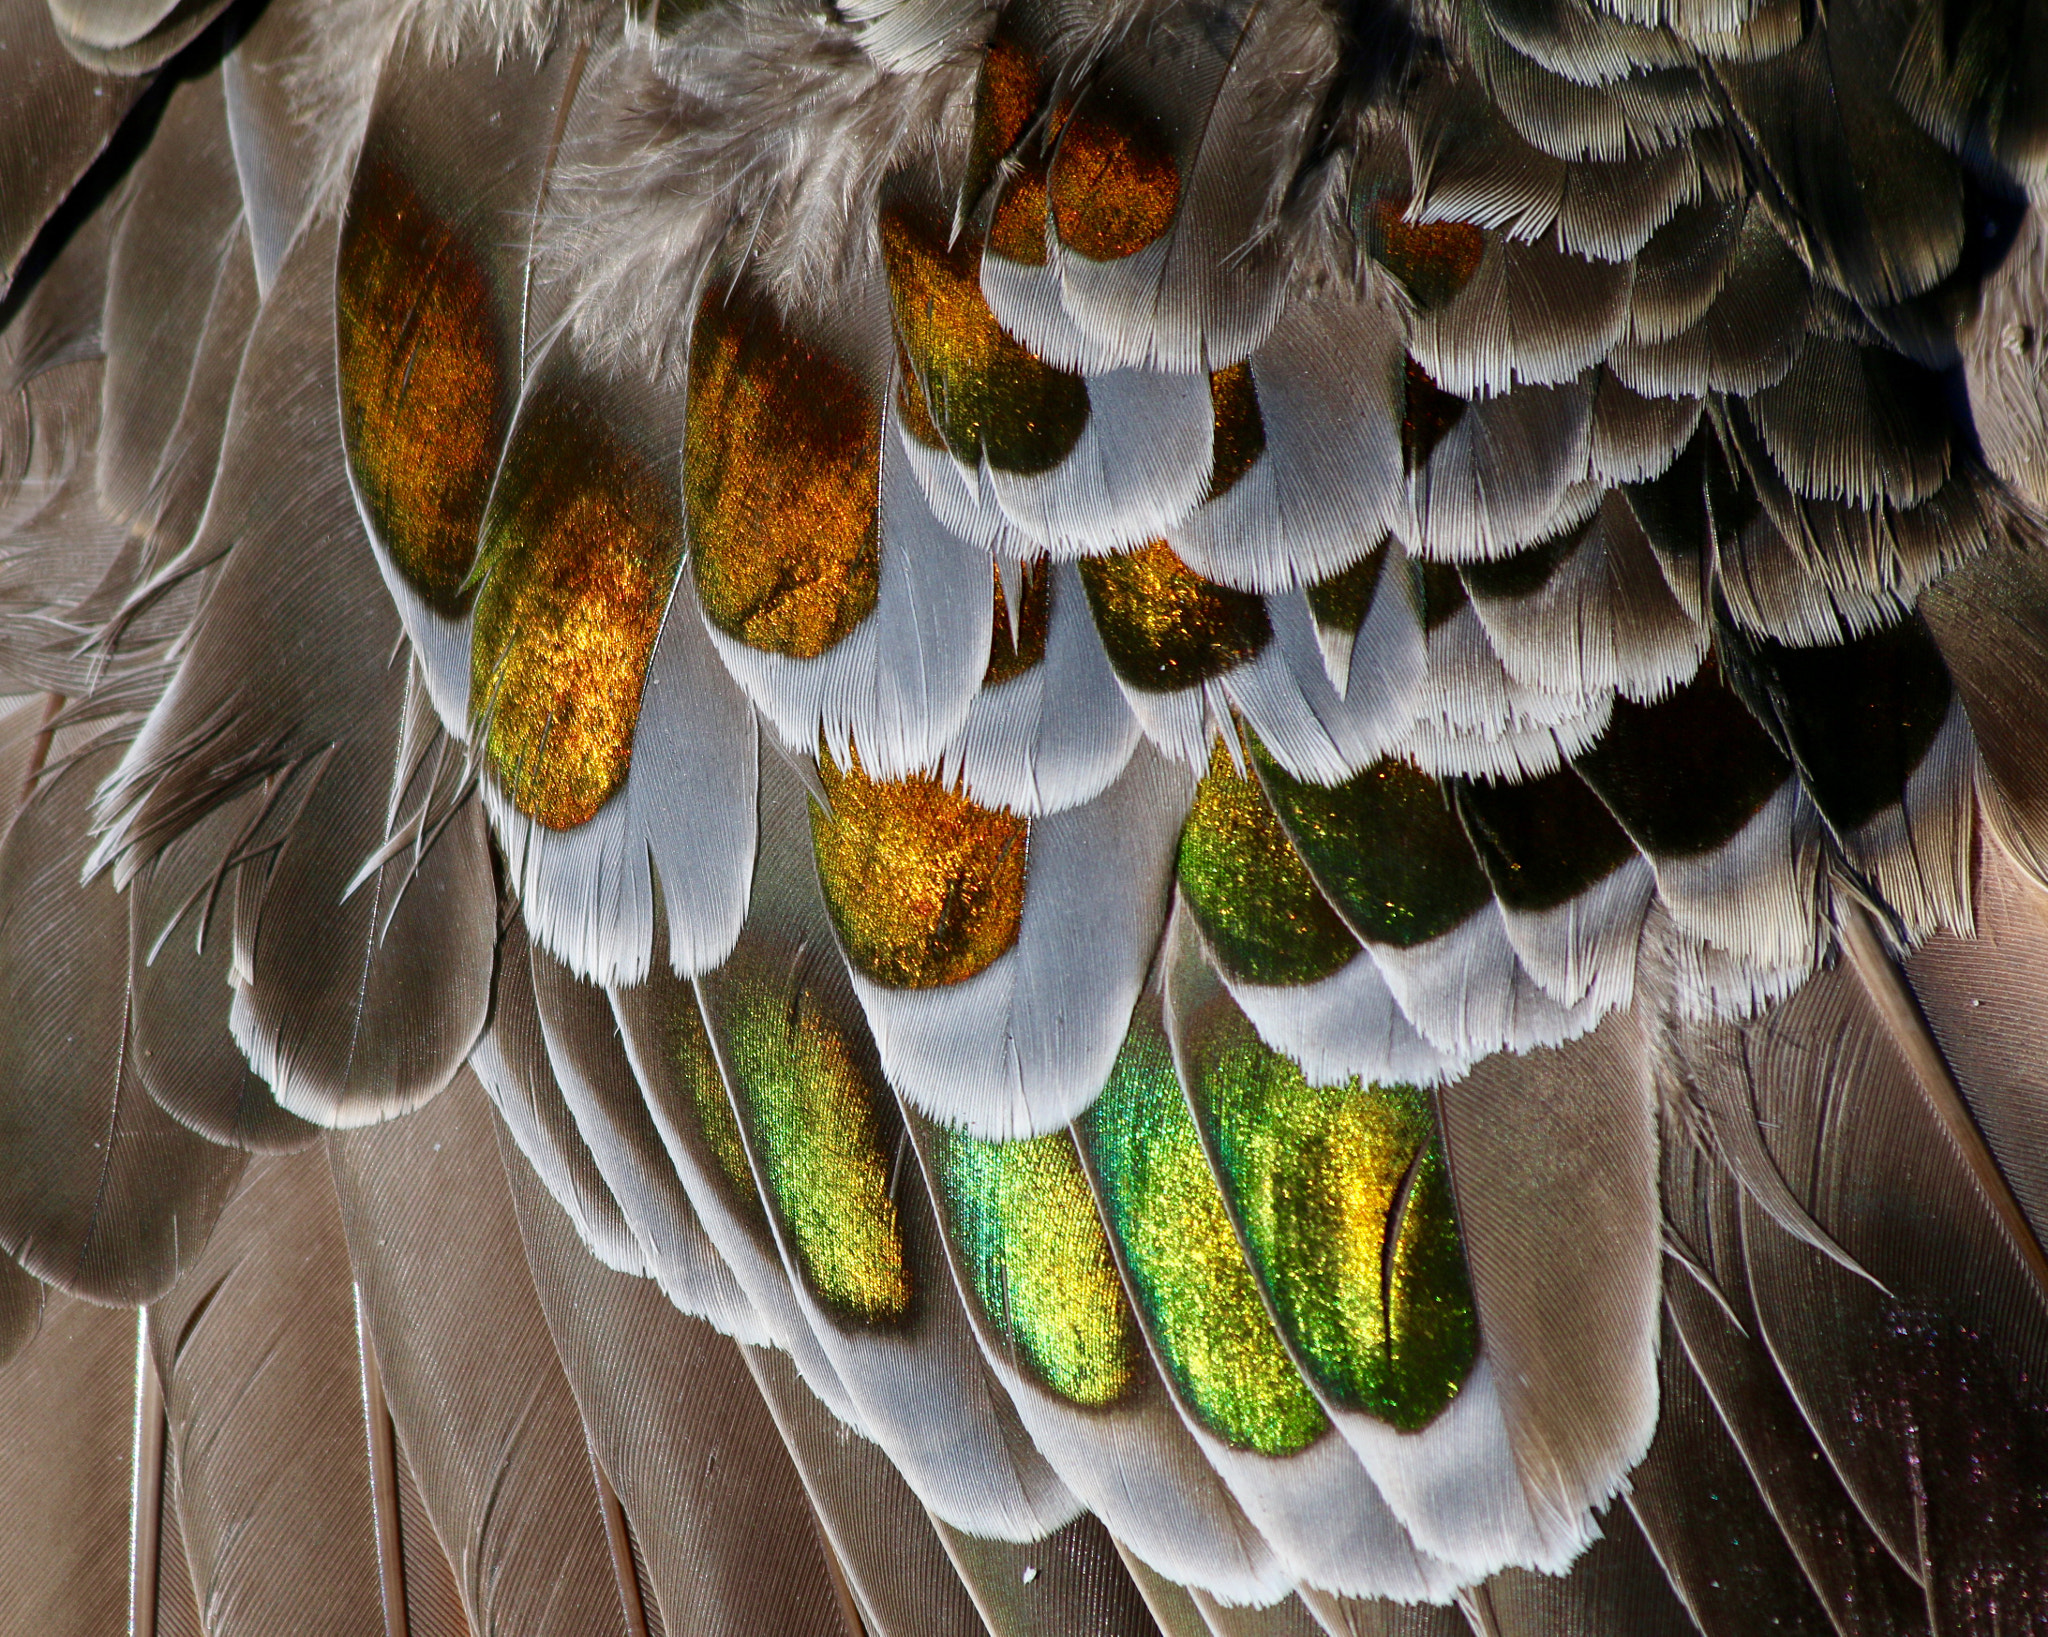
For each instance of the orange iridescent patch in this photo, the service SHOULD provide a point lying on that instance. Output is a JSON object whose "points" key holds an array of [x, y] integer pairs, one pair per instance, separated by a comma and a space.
{"points": [[424, 398], [781, 479], [925, 885], [1240, 428], [1016, 229], [1114, 185], [1005, 98], [1012, 654], [580, 551], [1163, 626], [1433, 260], [985, 393]]}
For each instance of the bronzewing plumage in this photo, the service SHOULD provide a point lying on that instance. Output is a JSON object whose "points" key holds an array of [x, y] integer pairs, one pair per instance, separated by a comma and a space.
{"points": [[1061, 818]]}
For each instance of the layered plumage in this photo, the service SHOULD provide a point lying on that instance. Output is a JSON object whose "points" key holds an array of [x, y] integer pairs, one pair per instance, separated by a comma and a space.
{"points": [[1096, 816]]}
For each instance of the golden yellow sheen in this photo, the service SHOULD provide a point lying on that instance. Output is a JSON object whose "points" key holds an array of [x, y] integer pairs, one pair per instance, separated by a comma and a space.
{"points": [[810, 1110], [1024, 1222], [1433, 260], [580, 552], [1016, 228], [717, 1128], [781, 480], [1005, 98], [1240, 428], [985, 393], [925, 885], [1163, 626], [423, 394]]}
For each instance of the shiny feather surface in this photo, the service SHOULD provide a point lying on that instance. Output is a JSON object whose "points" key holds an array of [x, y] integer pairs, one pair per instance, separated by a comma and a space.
{"points": [[1072, 819]]}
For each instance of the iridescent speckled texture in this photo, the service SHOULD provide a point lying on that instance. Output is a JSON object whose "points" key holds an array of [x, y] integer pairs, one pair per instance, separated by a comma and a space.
{"points": [[716, 1126], [1114, 185], [925, 885], [809, 1105], [1385, 846], [1346, 1204], [580, 552], [1025, 1224], [987, 395], [1250, 892], [1183, 1257], [781, 479], [1163, 626], [423, 394]]}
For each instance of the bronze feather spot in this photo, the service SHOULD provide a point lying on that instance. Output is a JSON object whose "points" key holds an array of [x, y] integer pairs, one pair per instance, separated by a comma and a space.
{"points": [[781, 480], [581, 549], [1011, 654], [424, 396], [924, 884], [1163, 625], [985, 393], [1114, 186]]}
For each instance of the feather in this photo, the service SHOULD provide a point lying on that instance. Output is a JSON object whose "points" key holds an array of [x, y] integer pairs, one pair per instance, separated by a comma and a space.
{"points": [[1213, 1341], [595, 701], [1165, 179], [822, 1136], [22, 1300], [1073, 1580], [1033, 1266], [1317, 470], [255, 1346], [124, 1196], [432, 316], [511, 1063], [898, 1576], [58, 118], [1572, 1434], [347, 1025], [1016, 1045], [1616, 1588], [1506, 472], [1049, 728], [482, 1410], [596, 1081], [179, 973], [277, 156], [168, 257], [68, 1402], [662, 1396]]}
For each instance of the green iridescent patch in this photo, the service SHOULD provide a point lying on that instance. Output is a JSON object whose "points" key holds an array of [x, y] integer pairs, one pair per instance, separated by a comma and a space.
{"points": [[1186, 1266], [1346, 1203], [717, 1128], [809, 1103], [1025, 1224], [1248, 889], [1384, 846]]}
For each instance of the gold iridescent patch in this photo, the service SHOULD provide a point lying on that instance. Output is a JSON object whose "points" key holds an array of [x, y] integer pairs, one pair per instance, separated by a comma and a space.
{"points": [[1186, 1266], [1345, 1201], [580, 552], [1016, 228], [925, 885], [1011, 654], [809, 1104], [1248, 889], [424, 394], [1114, 186], [1240, 428], [781, 480], [986, 394], [1433, 260], [1163, 626], [1037, 1256], [1005, 97]]}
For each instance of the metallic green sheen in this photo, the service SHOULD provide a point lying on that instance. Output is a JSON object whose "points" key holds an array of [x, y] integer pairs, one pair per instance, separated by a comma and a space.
{"points": [[1022, 1218], [809, 1103], [1346, 1203], [1250, 893], [1384, 846], [1185, 1264], [717, 1127]]}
